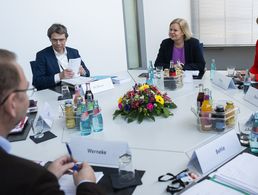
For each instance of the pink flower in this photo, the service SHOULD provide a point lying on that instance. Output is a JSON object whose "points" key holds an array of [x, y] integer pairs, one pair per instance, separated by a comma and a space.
{"points": [[150, 106]]}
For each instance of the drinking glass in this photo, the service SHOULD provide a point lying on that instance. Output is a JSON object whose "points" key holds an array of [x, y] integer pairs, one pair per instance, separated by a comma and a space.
{"points": [[38, 127], [126, 171], [231, 71], [244, 133], [66, 92]]}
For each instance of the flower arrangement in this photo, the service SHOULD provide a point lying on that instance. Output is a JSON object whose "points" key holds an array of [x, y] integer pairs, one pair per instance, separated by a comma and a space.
{"points": [[144, 102]]}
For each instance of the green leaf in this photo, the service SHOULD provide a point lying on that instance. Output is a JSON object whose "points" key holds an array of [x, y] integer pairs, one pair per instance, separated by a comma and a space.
{"points": [[166, 112], [116, 113], [129, 120], [140, 117], [152, 117]]}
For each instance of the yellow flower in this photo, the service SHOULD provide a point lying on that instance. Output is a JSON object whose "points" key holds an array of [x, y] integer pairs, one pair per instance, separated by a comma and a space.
{"points": [[159, 99], [120, 100], [143, 87]]}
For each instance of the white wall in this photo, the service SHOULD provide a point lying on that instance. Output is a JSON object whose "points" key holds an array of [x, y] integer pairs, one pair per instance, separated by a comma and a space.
{"points": [[157, 17], [95, 28]]}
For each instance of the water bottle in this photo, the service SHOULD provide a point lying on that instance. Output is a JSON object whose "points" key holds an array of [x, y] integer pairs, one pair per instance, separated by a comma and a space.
{"points": [[254, 135], [247, 81], [150, 77], [97, 120], [213, 69], [85, 124]]}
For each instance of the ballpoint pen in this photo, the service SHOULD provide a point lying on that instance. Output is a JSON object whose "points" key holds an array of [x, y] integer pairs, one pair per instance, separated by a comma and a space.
{"points": [[76, 166]]}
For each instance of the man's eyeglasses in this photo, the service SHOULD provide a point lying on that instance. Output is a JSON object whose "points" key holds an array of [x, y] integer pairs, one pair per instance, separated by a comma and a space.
{"points": [[58, 40], [29, 92]]}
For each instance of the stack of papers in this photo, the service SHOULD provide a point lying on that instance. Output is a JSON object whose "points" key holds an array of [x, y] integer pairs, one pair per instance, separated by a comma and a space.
{"points": [[240, 173], [209, 187]]}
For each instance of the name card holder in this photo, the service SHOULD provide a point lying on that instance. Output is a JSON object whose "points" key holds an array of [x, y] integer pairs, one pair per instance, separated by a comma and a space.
{"points": [[210, 156], [46, 114], [252, 96], [98, 151], [223, 81], [100, 85]]}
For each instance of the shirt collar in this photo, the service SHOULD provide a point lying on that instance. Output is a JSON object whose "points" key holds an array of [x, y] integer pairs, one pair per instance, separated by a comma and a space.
{"points": [[5, 144], [58, 54]]}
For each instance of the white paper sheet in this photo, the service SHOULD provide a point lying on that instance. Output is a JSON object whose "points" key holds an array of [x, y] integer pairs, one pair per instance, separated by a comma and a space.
{"points": [[208, 187], [240, 172], [67, 185], [74, 64]]}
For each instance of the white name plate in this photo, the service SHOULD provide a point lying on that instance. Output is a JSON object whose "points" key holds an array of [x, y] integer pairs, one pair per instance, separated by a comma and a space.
{"points": [[215, 153], [100, 85], [97, 151], [252, 96], [223, 81]]}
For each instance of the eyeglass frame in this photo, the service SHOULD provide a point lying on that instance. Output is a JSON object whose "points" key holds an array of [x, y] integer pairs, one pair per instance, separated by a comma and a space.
{"points": [[18, 91], [58, 40]]}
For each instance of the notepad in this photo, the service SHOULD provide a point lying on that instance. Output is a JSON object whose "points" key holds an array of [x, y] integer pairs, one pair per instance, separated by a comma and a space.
{"points": [[241, 173]]}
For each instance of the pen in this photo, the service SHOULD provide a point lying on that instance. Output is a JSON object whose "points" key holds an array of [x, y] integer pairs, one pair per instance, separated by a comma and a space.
{"points": [[76, 166]]}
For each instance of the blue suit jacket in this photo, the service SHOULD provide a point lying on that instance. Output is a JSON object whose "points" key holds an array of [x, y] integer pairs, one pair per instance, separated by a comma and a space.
{"points": [[46, 66], [194, 59]]}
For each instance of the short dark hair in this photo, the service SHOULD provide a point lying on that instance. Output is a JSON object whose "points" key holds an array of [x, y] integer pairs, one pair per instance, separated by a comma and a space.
{"points": [[57, 28], [9, 77]]}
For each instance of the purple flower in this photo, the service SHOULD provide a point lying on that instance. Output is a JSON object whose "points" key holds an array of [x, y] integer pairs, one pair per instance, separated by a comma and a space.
{"points": [[150, 106], [120, 106]]}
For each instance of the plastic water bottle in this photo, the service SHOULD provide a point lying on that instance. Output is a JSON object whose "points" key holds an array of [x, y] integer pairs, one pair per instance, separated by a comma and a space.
{"points": [[97, 119], [254, 135], [247, 81], [213, 69], [85, 124]]}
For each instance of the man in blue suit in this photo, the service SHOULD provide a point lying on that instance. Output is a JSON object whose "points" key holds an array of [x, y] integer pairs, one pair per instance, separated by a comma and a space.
{"points": [[51, 65]]}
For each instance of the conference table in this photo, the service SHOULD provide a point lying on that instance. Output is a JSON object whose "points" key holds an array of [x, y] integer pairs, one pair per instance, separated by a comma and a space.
{"points": [[159, 147]]}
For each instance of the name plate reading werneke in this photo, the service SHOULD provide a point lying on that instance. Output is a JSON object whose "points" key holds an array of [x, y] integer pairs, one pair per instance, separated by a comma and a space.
{"points": [[208, 157], [98, 151], [223, 81], [252, 96]]}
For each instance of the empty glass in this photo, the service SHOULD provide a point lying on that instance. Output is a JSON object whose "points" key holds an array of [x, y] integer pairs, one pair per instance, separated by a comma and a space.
{"points": [[231, 71], [66, 92], [38, 127], [126, 170], [244, 133]]}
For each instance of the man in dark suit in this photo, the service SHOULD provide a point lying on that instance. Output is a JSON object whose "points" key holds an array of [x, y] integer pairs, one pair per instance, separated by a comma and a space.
{"points": [[20, 176], [51, 65]]}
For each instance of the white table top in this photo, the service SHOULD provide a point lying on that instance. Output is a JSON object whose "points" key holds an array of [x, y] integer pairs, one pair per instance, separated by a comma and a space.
{"points": [[157, 147]]}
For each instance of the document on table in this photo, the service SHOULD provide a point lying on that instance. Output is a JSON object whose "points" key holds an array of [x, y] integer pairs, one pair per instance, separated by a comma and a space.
{"points": [[67, 185], [241, 173], [208, 187]]}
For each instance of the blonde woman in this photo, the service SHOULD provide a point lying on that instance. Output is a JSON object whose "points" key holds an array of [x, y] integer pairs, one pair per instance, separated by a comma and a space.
{"points": [[181, 46]]}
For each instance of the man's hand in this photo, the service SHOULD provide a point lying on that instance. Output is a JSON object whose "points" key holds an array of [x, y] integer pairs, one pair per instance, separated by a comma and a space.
{"points": [[82, 71], [60, 166], [85, 173], [66, 74]]}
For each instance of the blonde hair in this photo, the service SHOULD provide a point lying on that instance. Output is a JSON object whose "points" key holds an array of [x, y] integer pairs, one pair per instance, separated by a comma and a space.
{"points": [[184, 27]]}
